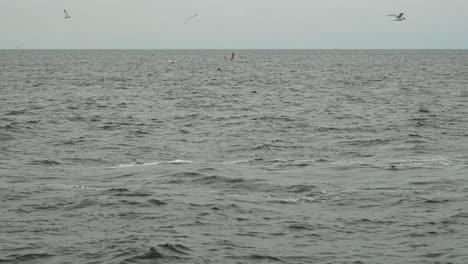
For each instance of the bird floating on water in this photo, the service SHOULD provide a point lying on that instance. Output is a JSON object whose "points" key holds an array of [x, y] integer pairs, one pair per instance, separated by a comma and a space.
{"points": [[398, 17], [66, 14], [190, 18]]}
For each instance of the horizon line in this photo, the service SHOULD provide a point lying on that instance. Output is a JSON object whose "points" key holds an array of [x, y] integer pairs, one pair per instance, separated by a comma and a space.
{"points": [[233, 48]]}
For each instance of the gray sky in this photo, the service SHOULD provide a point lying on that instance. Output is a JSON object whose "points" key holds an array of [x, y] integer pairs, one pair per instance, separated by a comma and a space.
{"points": [[229, 24]]}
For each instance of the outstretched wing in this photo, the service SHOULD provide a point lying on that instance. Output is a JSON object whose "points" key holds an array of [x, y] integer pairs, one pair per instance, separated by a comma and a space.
{"points": [[400, 15], [190, 18]]}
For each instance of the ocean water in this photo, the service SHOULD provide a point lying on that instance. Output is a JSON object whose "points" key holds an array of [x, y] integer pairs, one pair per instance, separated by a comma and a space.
{"points": [[321, 156]]}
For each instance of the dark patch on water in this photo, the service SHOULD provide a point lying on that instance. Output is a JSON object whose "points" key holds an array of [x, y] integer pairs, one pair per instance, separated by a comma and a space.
{"points": [[161, 253], [45, 162], [156, 202]]}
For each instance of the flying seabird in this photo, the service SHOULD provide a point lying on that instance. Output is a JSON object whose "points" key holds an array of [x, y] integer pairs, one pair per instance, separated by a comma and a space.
{"points": [[190, 18], [231, 59], [398, 17], [66, 14]]}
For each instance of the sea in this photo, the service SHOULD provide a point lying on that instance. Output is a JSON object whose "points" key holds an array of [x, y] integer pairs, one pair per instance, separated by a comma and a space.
{"points": [[280, 156]]}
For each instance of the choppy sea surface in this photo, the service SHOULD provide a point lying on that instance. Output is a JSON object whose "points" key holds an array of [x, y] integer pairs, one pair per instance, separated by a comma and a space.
{"points": [[321, 156]]}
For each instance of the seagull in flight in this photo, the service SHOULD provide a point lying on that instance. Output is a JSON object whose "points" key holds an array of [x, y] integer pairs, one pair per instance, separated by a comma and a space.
{"points": [[398, 17], [190, 18], [231, 59], [66, 14]]}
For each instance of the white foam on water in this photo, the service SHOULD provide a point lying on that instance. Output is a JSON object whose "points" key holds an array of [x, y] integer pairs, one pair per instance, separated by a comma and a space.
{"points": [[137, 164]]}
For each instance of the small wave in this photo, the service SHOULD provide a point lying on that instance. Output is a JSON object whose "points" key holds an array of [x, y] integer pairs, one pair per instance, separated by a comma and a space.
{"points": [[280, 162], [33, 258], [140, 164], [164, 252], [114, 190], [236, 161], [423, 109], [70, 142], [10, 126], [415, 141], [140, 132], [301, 226], [37, 84], [132, 194], [85, 203], [178, 161], [6, 137], [436, 200], [45, 162], [292, 200], [186, 174], [84, 161], [371, 142], [109, 127], [126, 192], [156, 202], [217, 179], [302, 188], [263, 258], [17, 112], [457, 218], [424, 162], [407, 163]]}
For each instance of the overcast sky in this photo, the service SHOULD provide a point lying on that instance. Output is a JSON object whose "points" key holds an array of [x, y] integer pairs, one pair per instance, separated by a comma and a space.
{"points": [[233, 24]]}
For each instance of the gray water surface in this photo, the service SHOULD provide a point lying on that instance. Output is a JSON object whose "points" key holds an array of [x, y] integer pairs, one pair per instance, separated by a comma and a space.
{"points": [[331, 156]]}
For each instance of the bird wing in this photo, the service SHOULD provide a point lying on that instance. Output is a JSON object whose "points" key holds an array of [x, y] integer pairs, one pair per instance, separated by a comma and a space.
{"points": [[190, 18], [400, 15]]}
